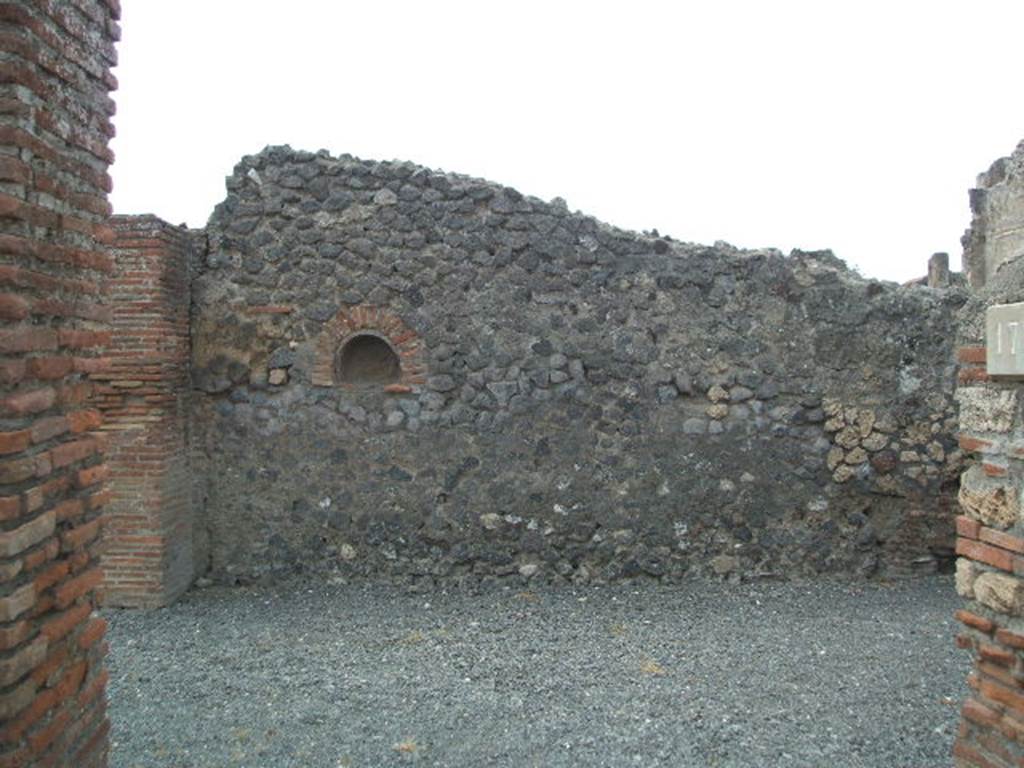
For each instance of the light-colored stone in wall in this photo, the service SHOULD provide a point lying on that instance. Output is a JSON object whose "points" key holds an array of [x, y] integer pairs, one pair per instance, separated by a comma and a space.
{"points": [[1000, 593], [966, 573], [992, 502], [986, 410]]}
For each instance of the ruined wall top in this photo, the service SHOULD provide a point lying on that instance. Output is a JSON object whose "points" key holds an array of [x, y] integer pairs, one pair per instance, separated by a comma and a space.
{"points": [[996, 234], [416, 373]]}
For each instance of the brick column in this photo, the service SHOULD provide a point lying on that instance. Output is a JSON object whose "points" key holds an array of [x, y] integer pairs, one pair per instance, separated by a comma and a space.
{"points": [[990, 542], [148, 557], [54, 126]]}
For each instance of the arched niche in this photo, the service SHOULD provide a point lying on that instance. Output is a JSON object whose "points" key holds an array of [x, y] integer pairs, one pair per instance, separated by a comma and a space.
{"points": [[365, 346], [366, 359]]}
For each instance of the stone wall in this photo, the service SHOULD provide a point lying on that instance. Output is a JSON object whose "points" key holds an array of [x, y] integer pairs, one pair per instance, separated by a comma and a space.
{"points": [[997, 229], [54, 126], [403, 372], [148, 560], [991, 541]]}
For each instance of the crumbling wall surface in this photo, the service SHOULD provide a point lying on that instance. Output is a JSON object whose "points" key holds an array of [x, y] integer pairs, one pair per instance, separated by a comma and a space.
{"points": [[991, 540], [148, 557], [574, 401], [54, 126], [996, 234]]}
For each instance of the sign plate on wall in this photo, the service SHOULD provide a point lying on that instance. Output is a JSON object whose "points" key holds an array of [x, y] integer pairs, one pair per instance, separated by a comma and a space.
{"points": [[1004, 340]]}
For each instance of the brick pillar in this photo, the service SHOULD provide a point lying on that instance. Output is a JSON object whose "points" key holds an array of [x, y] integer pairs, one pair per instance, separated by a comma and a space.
{"points": [[54, 126], [990, 542], [148, 557]]}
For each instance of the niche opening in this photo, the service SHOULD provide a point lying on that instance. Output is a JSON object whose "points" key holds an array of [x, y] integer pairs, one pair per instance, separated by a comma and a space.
{"points": [[366, 359]]}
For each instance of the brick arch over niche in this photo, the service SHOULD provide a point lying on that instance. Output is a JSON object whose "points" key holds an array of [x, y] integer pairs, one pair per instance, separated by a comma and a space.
{"points": [[366, 320]]}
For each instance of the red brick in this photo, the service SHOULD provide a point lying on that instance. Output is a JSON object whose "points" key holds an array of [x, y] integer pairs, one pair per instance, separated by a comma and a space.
{"points": [[80, 559], [70, 509], [49, 428], [993, 470], [62, 624], [42, 704], [1002, 694], [81, 535], [994, 744], [967, 527], [71, 590], [1004, 540], [973, 620], [33, 401], [1012, 639], [973, 444], [93, 689], [10, 507], [13, 307], [45, 671], [73, 339], [16, 470], [968, 376], [93, 364], [996, 672], [14, 442], [93, 633], [93, 752], [996, 655], [973, 757], [12, 371], [85, 420], [28, 339], [92, 475], [43, 554], [75, 394], [50, 368], [985, 553], [105, 234], [66, 454], [13, 169], [52, 575], [98, 500], [19, 758], [79, 309], [55, 487], [65, 689], [977, 712], [1012, 727], [971, 355], [55, 124], [41, 740]]}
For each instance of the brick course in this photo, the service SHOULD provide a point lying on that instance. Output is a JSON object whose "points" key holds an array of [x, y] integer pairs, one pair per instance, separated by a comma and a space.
{"points": [[991, 545], [54, 129], [141, 393]]}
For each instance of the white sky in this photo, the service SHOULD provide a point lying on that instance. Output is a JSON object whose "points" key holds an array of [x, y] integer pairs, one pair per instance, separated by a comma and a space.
{"points": [[854, 125]]}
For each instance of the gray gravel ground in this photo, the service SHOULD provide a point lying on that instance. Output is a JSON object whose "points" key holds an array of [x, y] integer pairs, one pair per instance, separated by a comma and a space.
{"points": [[310, 674]]}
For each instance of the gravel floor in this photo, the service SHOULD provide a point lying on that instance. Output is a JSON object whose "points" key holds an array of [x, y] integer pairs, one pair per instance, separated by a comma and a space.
{"points": [[798, 674]]}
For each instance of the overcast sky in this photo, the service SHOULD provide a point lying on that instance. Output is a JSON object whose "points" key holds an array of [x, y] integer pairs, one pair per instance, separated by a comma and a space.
{"points": [[856, 126]]}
